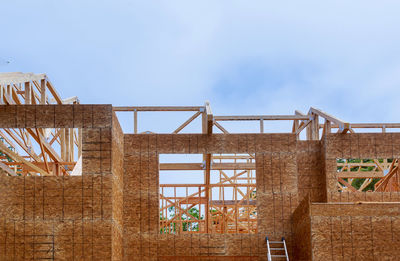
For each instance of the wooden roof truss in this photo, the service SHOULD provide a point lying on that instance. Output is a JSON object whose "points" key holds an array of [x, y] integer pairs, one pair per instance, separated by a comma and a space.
{"points": [[36, 151]]}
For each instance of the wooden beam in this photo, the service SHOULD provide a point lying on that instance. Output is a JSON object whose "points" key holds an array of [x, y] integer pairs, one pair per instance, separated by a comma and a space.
{"points": [[157, 108], [43, 153], [234, 202], [188, 200], [326, 116], [51, 152], [7, 169], [219, 126], [348, 186], [232, 156], [207, 128], [303, 126], [295, 128], [343, 126], [135, 121], [28, 93], [261, 117], [209, 118], [214, 166], [19, 77], [207, 185], [16, 157], [360, 174], [20, 143], [235, 185], [368, 125], [315, 128], [182, 166], [186, 123], [54, 92], [327, 127], [43, 91]]}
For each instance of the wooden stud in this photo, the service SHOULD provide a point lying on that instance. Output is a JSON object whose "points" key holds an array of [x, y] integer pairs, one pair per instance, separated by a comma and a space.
{"points": [[28, 93]]}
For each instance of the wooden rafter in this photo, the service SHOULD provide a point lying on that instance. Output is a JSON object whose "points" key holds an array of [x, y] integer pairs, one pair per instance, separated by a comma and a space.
{"points": [[18, 158], [28, 88]]}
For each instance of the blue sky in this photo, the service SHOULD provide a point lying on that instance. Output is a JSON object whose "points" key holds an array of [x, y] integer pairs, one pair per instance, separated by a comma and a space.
{"points": [[259, 57]]}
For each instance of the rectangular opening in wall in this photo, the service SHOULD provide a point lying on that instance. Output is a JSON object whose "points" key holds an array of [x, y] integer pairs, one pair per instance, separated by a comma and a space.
{"points": [[372, 175], [207, 193], [40, 152]]}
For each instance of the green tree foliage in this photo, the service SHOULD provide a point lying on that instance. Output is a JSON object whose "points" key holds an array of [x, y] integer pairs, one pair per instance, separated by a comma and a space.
{"points": [[194, 214]]}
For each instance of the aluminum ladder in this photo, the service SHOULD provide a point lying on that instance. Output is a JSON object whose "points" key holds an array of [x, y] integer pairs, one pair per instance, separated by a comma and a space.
{"points": [[277, 250]]}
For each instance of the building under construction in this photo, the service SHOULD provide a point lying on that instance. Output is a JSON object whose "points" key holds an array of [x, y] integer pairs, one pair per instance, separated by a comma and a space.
{"points": [[74, 186]]}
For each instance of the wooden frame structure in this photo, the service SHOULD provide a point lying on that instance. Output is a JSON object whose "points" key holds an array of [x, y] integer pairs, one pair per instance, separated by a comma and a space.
{"points": [[379, 175], [315, 123], [36, 151], [230, 175]]}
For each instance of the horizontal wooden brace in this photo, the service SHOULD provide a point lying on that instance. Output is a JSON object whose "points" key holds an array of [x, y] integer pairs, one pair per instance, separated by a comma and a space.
{"points": [[360, 174], [368, 125], [214, 166], [158, 108], [203, 185], [261, 117]]}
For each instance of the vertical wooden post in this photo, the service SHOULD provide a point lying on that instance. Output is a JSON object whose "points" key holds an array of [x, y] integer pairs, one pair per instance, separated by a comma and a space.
{"points": [[135, 116], [207, 185], [327, 127], [79, 142], [9, 91], [200, 223], [28, 93], [309, 130], [43, 91], [176, 223], [66, 144], [295, 128], [261, 126], [236, 208], [62, 143], [71, 145], [315, 127], [225, 221]]}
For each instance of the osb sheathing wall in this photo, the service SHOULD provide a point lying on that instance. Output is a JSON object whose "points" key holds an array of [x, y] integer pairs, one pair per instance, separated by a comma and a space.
{"points": [[69, 217], [301, 222], [117, 166], [111, 212], [310, 171], [277, 194], [358, 145], [347, 231]]}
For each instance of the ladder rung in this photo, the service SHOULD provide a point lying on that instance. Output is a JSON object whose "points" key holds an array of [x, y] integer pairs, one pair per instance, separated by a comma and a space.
{"points": [[281, 247]]}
